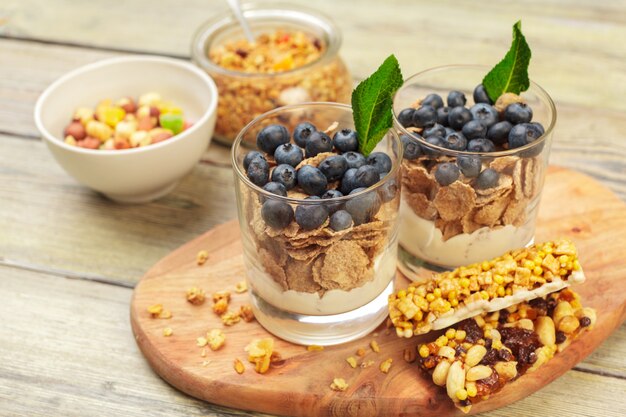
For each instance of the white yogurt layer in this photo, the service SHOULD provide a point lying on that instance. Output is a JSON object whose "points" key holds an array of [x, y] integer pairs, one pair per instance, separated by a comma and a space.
{"points": [[333, 301], [422, 239]]}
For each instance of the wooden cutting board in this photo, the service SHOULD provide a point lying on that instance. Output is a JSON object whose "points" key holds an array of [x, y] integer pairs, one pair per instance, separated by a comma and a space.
{"points": [[573, 205]]}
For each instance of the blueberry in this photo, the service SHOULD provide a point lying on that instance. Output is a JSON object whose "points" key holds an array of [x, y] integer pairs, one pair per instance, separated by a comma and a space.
{"points": [[348, 182], [455, 141], [388, 190], [411, 147], [446, 173], [499, 133], [366, 176], [333, 167], [312, 216], [346, 140], [405, 117], [276, 214], [425, 116], [433, 100], [318, 142], [442, 116], [456, 99], [480, 145], [433, 140], [481, 96], [270, 137], [289, 154], [275, 188], [354, 159], [380, 160], [517, 113], [474, 129], [286, 175], [469, 165], [448, 131], [302, 132], [435, 130], [485, 113], [458, 116], [524, 133], [333, 207], [311, 180], [259, 171], [250, 156], [341, 220], [487, 179], [363, 208]]}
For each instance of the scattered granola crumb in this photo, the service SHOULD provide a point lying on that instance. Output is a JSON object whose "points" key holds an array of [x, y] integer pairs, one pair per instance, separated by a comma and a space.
{"points": [[352, 361], [239, 367], [409, 355], [201, 341], [312, 348], [221, 295], [367, 364], [385, 365], [195, 295], [360, 352], [155, 310], [205, 363], [241, 287], [260, 353], [167, 332], [230, 318], [339, 384], [374, 346], [220, 306], [203, 353], [201, 257], [165, 314], [215, 339], [245, 311]]}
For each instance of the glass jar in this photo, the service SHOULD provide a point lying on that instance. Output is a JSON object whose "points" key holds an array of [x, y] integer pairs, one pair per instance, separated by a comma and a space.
{"points": [[245, 95], [471, 219], [319, 286]]}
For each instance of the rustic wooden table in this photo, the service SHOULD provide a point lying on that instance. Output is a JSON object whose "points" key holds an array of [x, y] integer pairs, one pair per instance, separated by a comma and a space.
{"points": [[69, 257]]}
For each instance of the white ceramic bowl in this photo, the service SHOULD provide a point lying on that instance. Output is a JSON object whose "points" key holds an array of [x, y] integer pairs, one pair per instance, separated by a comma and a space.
{"points": [[135, 175]]}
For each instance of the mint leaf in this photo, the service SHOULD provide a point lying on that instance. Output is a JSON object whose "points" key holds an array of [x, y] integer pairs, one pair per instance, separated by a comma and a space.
{"points": [[511, 74], [372, 104]]}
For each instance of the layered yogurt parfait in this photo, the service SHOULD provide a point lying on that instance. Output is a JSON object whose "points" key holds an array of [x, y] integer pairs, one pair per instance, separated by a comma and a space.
{"points": [[473, 167]]}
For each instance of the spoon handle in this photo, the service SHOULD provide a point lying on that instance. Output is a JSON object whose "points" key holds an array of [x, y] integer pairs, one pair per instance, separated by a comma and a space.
{"points": [[236, 9]]}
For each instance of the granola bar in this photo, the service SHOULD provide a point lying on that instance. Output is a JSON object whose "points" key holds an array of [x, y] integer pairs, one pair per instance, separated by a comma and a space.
{"points": [[450, 297], [480, 355]]}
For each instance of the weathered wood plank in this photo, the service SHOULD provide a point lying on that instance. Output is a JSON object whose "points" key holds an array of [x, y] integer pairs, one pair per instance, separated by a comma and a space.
{"points": [[576, 57], [68, 350], [49, 221]]}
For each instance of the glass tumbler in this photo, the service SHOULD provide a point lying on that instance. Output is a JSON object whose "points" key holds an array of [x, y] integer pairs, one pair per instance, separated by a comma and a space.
{"points": [[246, 95], [479, 215], [319, 286]]}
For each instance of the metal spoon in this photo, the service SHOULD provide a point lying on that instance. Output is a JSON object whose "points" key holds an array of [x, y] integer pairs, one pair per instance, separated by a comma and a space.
{"points": [[236, 9]]}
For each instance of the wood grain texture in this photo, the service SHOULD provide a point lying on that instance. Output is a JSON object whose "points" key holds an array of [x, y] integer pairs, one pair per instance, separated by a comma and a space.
{"points": [[70, 352], [304, 377]]}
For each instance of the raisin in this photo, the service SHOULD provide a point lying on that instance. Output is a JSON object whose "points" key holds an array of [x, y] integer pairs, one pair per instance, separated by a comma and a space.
{"points": [[465, 402], [488, 343], [560, 337], [505, 355], [490, 358], [472, 330], [459, 349], [585, 321], [522, 343], [504, 314], [539, 304], [243, 54]]}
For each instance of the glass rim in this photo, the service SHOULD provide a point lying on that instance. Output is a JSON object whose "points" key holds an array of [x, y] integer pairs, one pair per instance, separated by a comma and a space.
{"points": [[279, 13], [509, 152], [396, 161]]}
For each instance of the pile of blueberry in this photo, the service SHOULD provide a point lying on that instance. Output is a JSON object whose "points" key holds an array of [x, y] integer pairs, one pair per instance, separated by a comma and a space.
{"points": [[354, 172], [479, 128]]}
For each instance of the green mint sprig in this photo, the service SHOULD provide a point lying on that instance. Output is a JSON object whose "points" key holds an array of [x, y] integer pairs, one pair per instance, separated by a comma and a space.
{"points": [[372, 104], [511, 74]]}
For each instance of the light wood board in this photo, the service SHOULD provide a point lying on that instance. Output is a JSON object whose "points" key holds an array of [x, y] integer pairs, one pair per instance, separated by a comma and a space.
{"points": [[300, 385]]}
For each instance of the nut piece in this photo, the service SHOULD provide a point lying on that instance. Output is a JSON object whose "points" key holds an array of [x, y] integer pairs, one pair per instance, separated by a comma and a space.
{"points": [[339, 384], [562, 309], [568, 324], [167, 332], [351, 361], [507, 370], [478, 372], [374, 346], [245, 311], [385, 366], [195, 295], [455, 380], [447, 352], [239, 367], [474, 355], [215, 339], [544, 326], [440, 374], [202, 256]]}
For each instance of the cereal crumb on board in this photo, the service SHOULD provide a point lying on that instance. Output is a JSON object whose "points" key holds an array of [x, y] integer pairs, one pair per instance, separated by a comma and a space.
{"points": [[195, 295], [313, 348], [360, 352], [215, 339], [351, 361], [201, 341], [220, 306], [374, 346], [231, 318], [339, 384], [245, 311], [155, 310], [167, 332], [202, 257], [260, 353], [241, 287], [239, 366], [385, 365]]}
